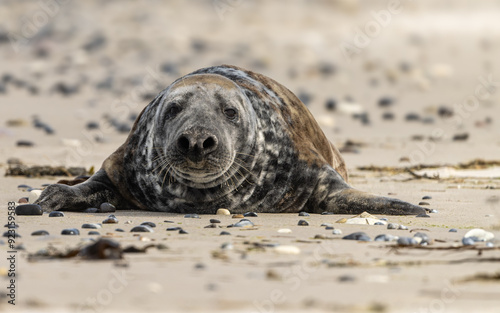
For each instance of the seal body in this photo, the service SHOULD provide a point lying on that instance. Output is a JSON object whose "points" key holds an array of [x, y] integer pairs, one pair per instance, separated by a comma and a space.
{"points": [[224, 137]]}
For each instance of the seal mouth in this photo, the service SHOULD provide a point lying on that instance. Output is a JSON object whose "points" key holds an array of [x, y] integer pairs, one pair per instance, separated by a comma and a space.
{"points": [[204, 171]]}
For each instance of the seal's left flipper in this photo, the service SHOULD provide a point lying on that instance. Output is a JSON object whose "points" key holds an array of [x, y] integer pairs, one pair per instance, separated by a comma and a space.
{"points": [[332, 194], [91, 193]]}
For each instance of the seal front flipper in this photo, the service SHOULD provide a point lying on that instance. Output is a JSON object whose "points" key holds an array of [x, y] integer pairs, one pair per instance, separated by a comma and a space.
{"points": [[332, 194], [91, 193]]}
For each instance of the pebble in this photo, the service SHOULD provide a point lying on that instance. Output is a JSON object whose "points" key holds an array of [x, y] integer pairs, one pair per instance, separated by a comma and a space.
{"points": [[194, 215], [91, 210], [24, 143], [461, 137], [422, 215], [346, 278], [424, 238], [303, 223], [303, 214], [223, 212], [329, 227], [182, 231], [227, 246], [433, 211], [110, 220], [412, 117], [92, 226], [407, 241], [402, 227], [23, 200], [326, 213], [173, 228], [287, 249], [244, 223], [361, 236], [168, 221], [238, 216], [56, 214], [150, 224], [479, 235], [11, 225], [23, 187], [379, 223], [225, 233], [40, 233], [250, 214], [34, 195], [468, 241], [107, 208], [337, 232], [426, 197], [214, 221], [490, 244], [70, 231], [141, 229], [423, 203], [331, 104], [29, 209], [453, 230], [386, 237], [211, 226], [388, 116], [11, 234], [385, 102], [119, 230], [284, 231], [392, 226]]}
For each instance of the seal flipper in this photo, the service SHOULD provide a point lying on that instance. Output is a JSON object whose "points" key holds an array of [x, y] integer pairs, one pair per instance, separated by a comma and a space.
{"points": [[91, 193], [332, 194]]}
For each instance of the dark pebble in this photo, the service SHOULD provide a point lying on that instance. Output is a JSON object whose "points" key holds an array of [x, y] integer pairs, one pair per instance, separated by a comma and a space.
{"points": [[191, 216], [150, 224], [23, 200], [250, 214], [378, 223], [388, 116], [426, 197], [423, 203], [428, 120], [120, 230], [303, 223], [412, 117], [461, 137], [407, 241], [173, 228], [168, 222], [468, 241], [384, 237], [303, 214], [91, 226], [141, 229], [182, 231], [40, 233], [453, 230], [11, 234], [361, 236], [92, 125], [70, 231], [56, 214], [331, 104], [91, 210], [107, 208], [29, 209], [329, 227], [445, 111], [110, 220], [346, 278], [305, 97], [425, 238], [385, 102], [326, 213], [23, 187], [422, 215], [24, 143], [199, 266], [93, 233], [224, 233], [243, 223], [214, 221], [11, 226], [211, 226]]}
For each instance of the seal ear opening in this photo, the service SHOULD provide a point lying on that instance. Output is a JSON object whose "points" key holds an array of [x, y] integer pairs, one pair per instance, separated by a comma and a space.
{"points": [[352, 201]]}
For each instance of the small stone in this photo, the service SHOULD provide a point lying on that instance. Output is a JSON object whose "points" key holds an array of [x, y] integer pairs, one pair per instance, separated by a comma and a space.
{"points": [[173, 228], [23, 187], [286, 249], [453, 230], [91, 210], [11, 234], [402, 227], [326, 224], [238, 216], [224, 233], [211, 226], [303, 223], [384, 219], [110, 220], [70, 231], [128, 222], [141, 229], [468, 241], [182, 231], [379, 223], [40, 233], [161, 246], [385, 102], [392, 226], [24, 143], [91, 226], [194, 215], [433, 211], [360, 236], [23, 200], [424, 238], [426, 197], [329, 227], [346, 278], [327, 213], [29, 209], [250, 214], [490, 244], [303, 214], [284, 231], [243, 223], [461, 137], [150, 224], [331, 104], [168, 222], [119, 230], [214, 221], [199, 266], [412, 117], [407, 241], [56, 214], [388, 116], [422, 215], [223, 212], [423, 203], [385, 237], [337, 232], [227, 246], [107, 207], [93, 233]]}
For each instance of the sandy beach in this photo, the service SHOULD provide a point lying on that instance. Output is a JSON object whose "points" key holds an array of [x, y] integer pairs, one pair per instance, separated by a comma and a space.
{"points": [[407, 90]]}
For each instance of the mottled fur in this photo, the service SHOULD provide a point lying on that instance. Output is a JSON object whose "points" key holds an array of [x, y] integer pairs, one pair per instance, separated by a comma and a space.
{"points": [[273, 157]]}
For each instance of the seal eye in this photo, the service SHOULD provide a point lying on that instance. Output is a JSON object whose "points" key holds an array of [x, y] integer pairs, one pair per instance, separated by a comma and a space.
{"points": [[231, 113], [173, 110]]}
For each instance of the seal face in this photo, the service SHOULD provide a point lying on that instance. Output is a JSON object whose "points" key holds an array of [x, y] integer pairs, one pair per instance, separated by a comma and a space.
{"points": [[224, 137]]}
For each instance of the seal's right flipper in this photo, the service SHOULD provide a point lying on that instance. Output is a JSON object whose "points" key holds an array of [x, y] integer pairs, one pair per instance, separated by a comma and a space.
{"points": [[91, 193]]}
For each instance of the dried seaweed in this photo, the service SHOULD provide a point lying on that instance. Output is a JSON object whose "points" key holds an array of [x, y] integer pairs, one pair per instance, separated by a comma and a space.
{"points": [[39, 171]]}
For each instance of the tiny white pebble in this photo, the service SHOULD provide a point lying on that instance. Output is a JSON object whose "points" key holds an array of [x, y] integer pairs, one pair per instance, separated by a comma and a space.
{"points": [[287, 249], [284, 231]]}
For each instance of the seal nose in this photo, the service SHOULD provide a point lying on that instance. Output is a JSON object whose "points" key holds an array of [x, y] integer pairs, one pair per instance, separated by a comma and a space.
{"points": [[196, 144]]}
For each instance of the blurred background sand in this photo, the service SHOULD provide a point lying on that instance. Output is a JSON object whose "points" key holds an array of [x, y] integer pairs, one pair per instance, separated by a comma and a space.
{"points": [[87, 68]]}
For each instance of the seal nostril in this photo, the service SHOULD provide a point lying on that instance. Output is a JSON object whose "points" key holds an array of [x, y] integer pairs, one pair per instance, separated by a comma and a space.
{"points": [[208, 143], [183, 143]]}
